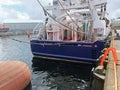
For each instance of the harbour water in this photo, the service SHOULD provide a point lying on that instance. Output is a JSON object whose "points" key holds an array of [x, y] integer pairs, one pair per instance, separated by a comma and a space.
{"points": [[49, 75]]}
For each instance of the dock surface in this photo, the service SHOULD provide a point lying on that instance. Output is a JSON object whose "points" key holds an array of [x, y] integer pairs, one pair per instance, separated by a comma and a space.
{"points": [[112, 78]]}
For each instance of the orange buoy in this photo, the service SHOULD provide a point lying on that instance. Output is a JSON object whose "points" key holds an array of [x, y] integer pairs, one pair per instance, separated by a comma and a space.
{"points": [[14, 75]]}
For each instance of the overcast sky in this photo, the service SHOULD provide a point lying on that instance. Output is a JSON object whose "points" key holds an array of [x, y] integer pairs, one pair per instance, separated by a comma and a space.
{"points": [[30, 9]]}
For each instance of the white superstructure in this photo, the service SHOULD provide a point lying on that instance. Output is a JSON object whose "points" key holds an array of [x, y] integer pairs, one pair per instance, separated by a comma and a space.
{"points": [[77, 20]]}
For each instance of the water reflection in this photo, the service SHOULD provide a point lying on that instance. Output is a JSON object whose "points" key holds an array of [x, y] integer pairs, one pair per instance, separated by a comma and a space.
{"points": [[10, 49], [60, 75], [46, 75]]}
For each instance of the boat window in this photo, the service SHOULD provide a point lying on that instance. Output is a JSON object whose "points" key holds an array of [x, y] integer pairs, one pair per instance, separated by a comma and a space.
{"points": [[65, 34], [55, 3], [50, 36], [83, 1]]}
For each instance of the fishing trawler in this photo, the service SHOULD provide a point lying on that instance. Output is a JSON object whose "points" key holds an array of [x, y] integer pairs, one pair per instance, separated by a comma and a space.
{"points": [[75, 31]]}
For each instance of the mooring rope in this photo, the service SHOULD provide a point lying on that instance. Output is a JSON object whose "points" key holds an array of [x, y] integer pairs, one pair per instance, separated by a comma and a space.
{"points": [[20, 40]]}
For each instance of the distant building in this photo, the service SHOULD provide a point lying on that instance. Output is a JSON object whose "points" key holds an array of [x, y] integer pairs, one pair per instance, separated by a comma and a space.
{"points": [[23, 25], [115, 24]]}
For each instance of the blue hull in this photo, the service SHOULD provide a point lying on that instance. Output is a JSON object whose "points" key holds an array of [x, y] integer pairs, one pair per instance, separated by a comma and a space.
{"points": [[85, 52]]}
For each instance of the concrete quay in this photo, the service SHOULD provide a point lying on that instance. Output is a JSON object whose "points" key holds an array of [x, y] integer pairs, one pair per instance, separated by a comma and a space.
{"points": [[112, 77]]}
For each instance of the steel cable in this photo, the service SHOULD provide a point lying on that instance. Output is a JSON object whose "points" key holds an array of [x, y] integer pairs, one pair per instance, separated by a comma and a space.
{"points": [[53, 18]]}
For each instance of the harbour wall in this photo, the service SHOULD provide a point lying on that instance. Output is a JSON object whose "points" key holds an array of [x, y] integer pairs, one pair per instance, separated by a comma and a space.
{"points": [[13, 33]]}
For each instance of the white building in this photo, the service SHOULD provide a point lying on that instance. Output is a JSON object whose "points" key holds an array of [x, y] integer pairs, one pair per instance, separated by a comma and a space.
{"points": [[26, 25]]}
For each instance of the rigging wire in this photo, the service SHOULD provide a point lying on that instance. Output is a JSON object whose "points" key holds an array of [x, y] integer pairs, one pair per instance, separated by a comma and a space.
{"points": [[67, 13], [53, 18]]}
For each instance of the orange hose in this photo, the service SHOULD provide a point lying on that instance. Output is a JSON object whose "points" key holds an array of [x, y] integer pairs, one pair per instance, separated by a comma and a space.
{"points": [[105, 55]]}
